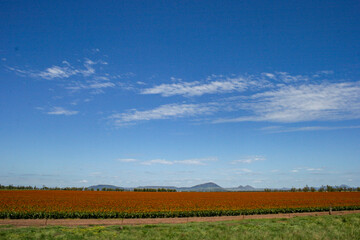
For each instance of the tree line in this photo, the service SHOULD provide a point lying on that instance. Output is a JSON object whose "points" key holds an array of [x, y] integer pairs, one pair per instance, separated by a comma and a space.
{"points": [[154, 190], [12, 187], [326, 188]]}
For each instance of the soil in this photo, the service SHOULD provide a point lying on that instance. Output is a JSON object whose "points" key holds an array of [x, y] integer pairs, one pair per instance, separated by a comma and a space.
{"points": [[143, 221]]}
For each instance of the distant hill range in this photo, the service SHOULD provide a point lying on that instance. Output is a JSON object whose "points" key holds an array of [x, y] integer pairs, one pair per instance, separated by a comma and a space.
{"points": [[205, 187], [245, 188]]}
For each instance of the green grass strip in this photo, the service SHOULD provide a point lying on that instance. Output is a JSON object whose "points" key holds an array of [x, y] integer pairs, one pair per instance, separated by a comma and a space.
{"points": [[170, 214], [302, 228]]}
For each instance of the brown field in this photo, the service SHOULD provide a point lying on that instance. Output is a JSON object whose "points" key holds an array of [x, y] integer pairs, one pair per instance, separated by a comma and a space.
{"points": [[64, 204]]}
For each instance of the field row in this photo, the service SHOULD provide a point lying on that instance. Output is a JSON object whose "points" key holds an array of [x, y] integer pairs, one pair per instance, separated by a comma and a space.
{"points": [[208, 213], [77, 204]]}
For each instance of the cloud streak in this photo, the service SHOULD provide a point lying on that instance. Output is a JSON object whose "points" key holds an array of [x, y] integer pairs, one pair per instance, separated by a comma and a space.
{"points": [[66, 70], [197, 88], [310, 102], [284, 103], [281, 129], [249, 159], [217, 84], [168, 111], [88, 75], [194, 161], [61, 111], [127, 160]]}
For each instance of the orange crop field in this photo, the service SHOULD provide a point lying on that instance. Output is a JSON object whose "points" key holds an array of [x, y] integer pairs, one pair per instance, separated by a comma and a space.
{"points": [[101, 204]]}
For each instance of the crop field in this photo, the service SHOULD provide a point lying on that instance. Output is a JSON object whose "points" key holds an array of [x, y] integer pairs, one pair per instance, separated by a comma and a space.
{"points": [[99, 204]]}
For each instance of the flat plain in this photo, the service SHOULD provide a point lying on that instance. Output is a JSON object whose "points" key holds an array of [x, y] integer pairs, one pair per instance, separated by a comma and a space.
{"points": [[102, 204]]}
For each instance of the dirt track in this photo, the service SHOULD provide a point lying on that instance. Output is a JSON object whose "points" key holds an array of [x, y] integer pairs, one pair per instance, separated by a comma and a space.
{"points": [[141, 221]]}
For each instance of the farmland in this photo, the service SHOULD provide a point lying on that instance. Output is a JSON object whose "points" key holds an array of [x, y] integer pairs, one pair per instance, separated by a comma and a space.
{"points": [[99, 204]]}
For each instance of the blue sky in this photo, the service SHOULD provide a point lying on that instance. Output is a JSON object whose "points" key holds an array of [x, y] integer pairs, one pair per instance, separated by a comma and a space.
{"points": [[265, 93]]}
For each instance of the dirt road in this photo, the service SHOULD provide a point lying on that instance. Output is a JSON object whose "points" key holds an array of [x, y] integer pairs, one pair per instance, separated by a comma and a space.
{"points": [[142, 221]]}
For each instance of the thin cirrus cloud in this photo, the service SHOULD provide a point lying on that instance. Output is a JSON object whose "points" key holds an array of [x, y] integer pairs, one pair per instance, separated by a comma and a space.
{"points": [[243, 171], [66, 70], [287, 103], [195, 161], [166, 111], [90, 79], [127, 160], [277, 97], [249, 159], [282, 129], [273, 97], [61, 111], [314, 169], [94, 84], [197, 88], [157, 161], [306, 102], [220, 84], [311, 170]]}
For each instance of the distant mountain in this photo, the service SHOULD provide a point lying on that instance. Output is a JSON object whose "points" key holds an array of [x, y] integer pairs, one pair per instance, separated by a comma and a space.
{"points": [[205, 187], [246, 188], [96, 187]]}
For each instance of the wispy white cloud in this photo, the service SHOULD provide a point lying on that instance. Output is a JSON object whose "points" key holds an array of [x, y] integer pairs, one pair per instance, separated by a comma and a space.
{"points": [[163, 112], [243, 170], [215, 84], [250, 159], [83, 181], [101, 85], [157, 161], [66, 70], [95, 50], [288, 78], [56, 72], [314, 169], [87, 75], [280, 129], [61, 111], [198, 88], [269, 75], [123, 76], [94, 84], [273, 97], [127, 160], [322, 73], [194, 161], [306, 102]]}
